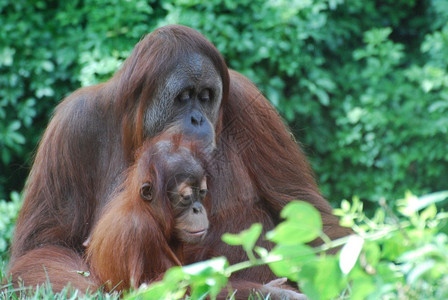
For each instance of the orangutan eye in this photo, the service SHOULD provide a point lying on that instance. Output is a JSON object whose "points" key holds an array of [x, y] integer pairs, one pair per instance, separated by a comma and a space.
{"points": [[204, 96], [185, 96], [203, 193], [186, 198], [146, 191]]}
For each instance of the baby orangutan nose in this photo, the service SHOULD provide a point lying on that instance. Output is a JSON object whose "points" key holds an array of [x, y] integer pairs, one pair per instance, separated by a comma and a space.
{"points": [[197, 207], [192, 225]]}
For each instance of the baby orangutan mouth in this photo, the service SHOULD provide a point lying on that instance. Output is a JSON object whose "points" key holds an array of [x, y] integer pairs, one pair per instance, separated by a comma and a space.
{"points": [[197, 233], [195, 236]]}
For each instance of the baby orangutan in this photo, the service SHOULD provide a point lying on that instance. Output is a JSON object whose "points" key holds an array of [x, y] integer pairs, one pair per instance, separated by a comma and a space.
{"points": [[159, 207]]}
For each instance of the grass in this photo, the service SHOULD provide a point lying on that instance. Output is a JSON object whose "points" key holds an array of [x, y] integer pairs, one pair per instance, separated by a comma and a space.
{"points": [[7, 291]]}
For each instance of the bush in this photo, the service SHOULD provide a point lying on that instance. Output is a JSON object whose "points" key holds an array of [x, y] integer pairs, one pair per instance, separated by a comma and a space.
{"points": [[8, 211], [58, 47], [390, 257]]}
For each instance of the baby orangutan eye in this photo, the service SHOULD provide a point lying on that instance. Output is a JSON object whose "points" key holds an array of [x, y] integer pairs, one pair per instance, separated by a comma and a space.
{"points": [[203, 192], [186, 198], [146, 191]]}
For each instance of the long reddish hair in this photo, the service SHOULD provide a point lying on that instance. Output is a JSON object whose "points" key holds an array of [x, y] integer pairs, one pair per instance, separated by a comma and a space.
{"points": [[152, 59]]}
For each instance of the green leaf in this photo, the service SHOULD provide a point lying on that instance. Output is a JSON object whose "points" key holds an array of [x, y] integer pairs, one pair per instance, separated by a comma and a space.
{"points": [[303, 224], [175, 274], [329, 280], [361, 284], [372, 253], [262, 252], [199, 291], [377, 36], [173, 286], [14, 126], [425, 201], [394, 246], [429, 213], [349, 253], [208, 267], [303, 212], [158, 290], [207, 277], [7, 56], [306, 277], [246, 238], [428, 250], [321, 278], [47, 66], [293, 233], [17, 137], [419, 270], [292, 259]]}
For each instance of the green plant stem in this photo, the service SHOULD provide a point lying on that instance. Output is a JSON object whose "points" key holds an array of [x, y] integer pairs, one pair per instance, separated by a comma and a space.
{"points": [[251, 256]]}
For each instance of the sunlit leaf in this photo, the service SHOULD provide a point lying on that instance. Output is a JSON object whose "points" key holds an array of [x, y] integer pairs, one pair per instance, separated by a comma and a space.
{"points": [[303, 212], [303, 224], [246, 238], [361, 284], [427, 200], [292, 257], [350, 253], [217, 264], [372, 253], [291, 233]]}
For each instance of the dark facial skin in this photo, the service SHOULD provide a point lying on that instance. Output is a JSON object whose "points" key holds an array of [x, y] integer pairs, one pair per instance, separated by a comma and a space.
{"points": [[186, 190], [188, 101], [191, 217]]}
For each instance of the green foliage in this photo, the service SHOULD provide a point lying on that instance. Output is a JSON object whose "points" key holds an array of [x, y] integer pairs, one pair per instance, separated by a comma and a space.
{"points": [[302, 225], [49, 53], [403, 255], [400, 252], [204, 278], [390, 256], [8, 213]]}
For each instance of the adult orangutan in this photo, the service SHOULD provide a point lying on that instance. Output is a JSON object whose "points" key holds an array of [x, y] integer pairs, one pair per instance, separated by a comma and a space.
{"points": [[174, 81]]}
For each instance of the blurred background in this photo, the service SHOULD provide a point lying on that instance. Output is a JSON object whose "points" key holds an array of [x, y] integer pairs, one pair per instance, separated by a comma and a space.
{"points": [[362, 84]]}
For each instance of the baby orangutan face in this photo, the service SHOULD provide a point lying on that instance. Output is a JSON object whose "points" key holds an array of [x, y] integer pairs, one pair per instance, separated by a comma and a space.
{"points": [[190, 215]]}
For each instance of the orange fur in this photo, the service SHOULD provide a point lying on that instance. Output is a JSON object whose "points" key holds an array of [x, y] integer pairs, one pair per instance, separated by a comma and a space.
{"points": [[57, 265], [127, 248]]}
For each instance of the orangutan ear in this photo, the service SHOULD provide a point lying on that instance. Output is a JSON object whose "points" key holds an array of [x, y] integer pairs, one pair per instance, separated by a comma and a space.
{"points": [[146, 191]]}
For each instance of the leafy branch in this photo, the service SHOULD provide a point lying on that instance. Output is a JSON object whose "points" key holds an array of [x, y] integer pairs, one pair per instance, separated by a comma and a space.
{"points": [[378, 260]]}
